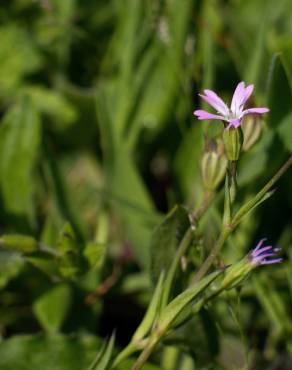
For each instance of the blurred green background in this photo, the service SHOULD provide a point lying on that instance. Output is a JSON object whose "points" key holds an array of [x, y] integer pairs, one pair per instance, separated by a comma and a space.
{"points": [[98, 142]]}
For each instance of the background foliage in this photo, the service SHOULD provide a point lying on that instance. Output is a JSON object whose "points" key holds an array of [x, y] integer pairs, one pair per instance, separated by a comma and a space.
{"points": [[98, 142]]}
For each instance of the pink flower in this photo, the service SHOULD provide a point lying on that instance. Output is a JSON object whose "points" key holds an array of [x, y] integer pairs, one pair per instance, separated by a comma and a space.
{"points": [[236, 112], [264, 255]]}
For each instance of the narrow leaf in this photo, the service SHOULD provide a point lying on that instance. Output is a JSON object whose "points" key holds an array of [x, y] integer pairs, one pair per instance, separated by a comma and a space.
{"points": [[175, 307], [166, 238], [151, 312]]}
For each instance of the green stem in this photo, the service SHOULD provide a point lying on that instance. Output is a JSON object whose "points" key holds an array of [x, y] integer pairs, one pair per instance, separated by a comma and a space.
{"points": [[227, 229], [169, 357], [227, 202], [186, 241], [232, 180], [125, 353], [249, 205], [146, 353], [208, 197], [213, 254]]}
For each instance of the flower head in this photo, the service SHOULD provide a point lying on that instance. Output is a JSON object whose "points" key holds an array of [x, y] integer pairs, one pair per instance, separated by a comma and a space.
{"points": [[233, 114], [264, 255]]}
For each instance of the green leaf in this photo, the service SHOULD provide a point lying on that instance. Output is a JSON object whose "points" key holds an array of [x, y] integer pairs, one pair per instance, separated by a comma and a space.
{"points": [[125, 189], [128, 365], [70, 257], [162, 85], [253, 69], [56, 352], [45, 263], [52, 307], [187, 161], [19, 243], [11, 264], [132, 203], [18, 57], [285, 131], [204, 346], [54, 105], [102, 360], [183, 300], [95, 254], [19, 144], [95, 251], [166, 238], [272, 303], [279, 92], [152, 311]]}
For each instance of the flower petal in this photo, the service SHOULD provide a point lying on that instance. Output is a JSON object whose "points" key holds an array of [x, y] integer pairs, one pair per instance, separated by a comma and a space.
{"points": [[238, 97], [265, 255], [259, 251], [260, 243], [270, 262], [260, 110], [202, 114], [247, 93], [215, 101]]}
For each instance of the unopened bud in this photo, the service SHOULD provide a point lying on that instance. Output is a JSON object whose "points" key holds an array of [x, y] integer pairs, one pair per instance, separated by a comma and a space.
{"points": [[213, 165], [252, 126], [233, 140], [236, 274]]}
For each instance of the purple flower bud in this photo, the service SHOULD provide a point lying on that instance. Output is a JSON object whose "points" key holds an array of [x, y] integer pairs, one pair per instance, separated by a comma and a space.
{"points": [[264, 254]]}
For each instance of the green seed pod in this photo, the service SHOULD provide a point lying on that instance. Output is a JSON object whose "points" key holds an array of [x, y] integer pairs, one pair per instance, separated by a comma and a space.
{"points": [[213, 165], [252, 126], [233, 140], [20, 243]]}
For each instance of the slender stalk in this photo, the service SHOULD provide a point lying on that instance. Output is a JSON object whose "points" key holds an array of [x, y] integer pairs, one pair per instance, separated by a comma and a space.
{"points": [[208, 197], [185, 243], [169, 357], [145, 354], [227, 201], [125, 353], [183, 247], [249, 205], [227, 229], [213, 254], [232, 174], [47, 249]]}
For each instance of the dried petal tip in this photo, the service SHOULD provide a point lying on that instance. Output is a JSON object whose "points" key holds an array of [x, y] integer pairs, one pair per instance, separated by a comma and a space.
{"points": [[264, 254]]}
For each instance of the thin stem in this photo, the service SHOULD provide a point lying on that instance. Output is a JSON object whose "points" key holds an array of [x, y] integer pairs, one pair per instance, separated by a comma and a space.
{"points": [[46, 249], [232, 170], [183, 246], [213, 254], [227, 229], [145, 354], [125, 353], [208, 197], [227, 202], [249, 205]]}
